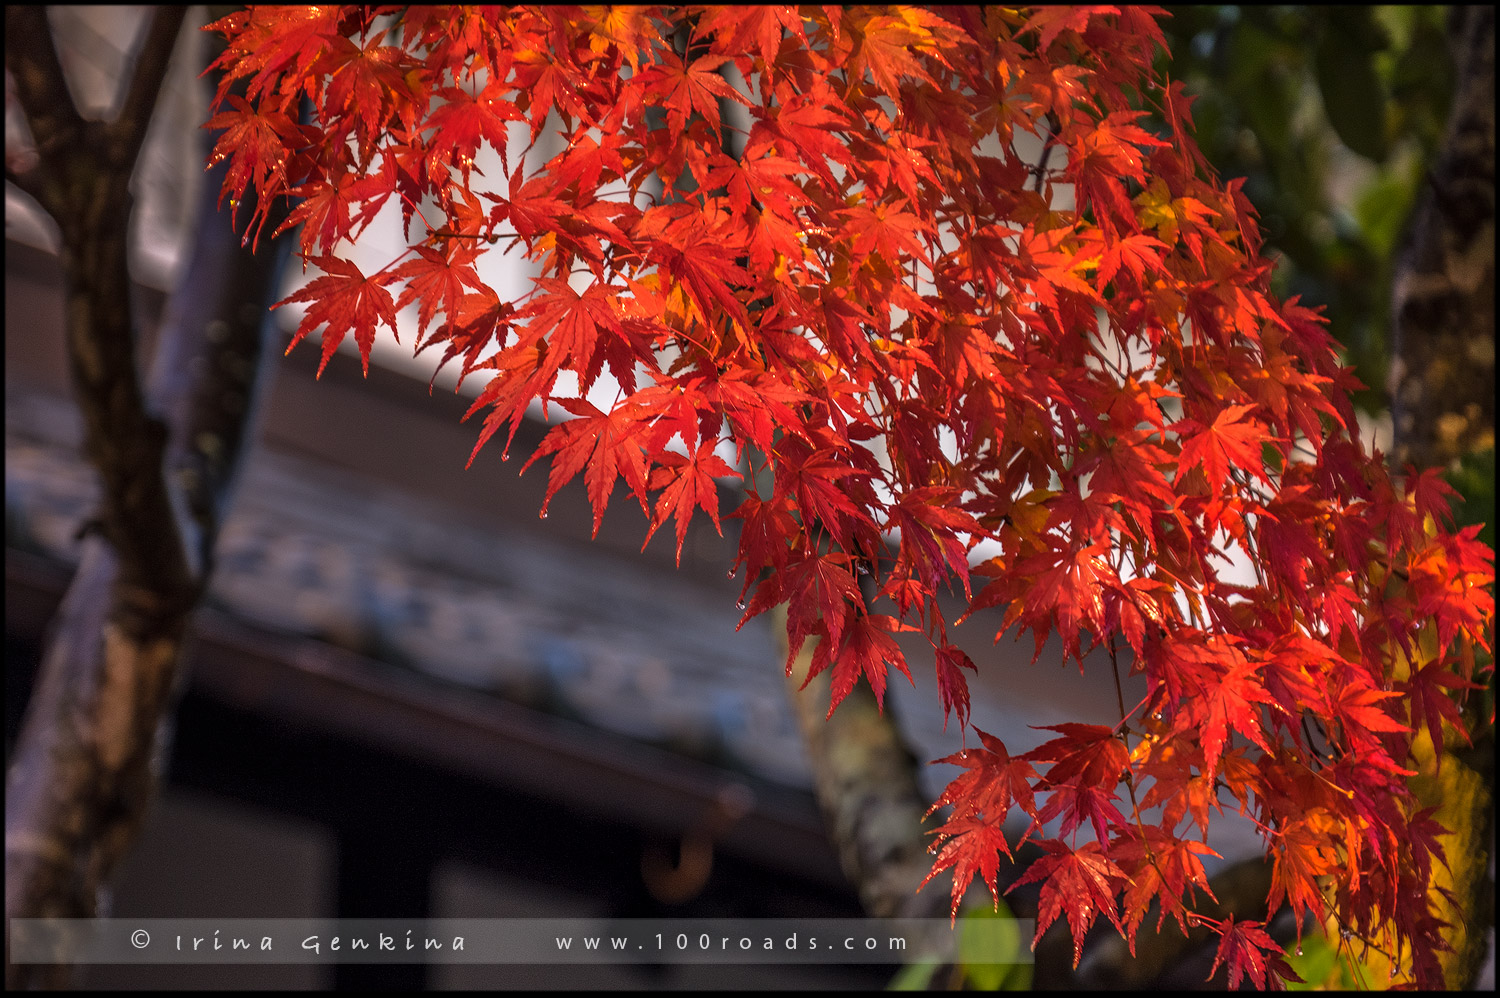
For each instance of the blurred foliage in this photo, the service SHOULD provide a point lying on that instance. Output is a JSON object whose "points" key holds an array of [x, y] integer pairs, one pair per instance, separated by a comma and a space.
{"points": [[990, 931], [1323, 968], [1332, 115], [1474, 479], [994, 930]]}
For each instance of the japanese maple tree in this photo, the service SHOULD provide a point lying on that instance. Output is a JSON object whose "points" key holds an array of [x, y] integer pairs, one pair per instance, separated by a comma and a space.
{"points": [[919, 339]]}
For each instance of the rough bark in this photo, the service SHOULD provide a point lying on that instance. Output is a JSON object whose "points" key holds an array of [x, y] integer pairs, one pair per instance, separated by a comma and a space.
{"points": [[87, 762], [1442, 379], [865, 777], [1442, 390]]}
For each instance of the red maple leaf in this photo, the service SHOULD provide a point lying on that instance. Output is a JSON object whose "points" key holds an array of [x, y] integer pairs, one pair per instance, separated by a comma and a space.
{"points": [[1231, 440], [1305, 851], [1357, 707], [531, 207], [806, 125], [573, 321], [1079, 883], [345, 299], [1248, 951], [765, 180], [754, 403], [953, 688], [460, 121], [1006, 382], [685, 89], [818, 479], [1069, 583], [368, 83], [257, 141], [607, 444], [866, 648], [885, 49], [993, 780], [981, 797], [751, 28], [1086, 766], [525, 375], [1227, 703], [972, 848], [686, 483], [333, 211], [764, 535], [817, 588], [1430, 702], [277, 45], [1431, 495], [436, 280], [482, 318], [1049, 22], [930, 521], [1160, 867]]}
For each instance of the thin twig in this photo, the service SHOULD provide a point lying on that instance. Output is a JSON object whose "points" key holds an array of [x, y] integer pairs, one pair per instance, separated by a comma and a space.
{"points": [[1040, 170]]}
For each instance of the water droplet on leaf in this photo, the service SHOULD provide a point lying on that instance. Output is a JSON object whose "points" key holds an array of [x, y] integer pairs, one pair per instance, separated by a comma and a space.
{"points": [[1299, 950], [542, 515], [732, 573], [740, 604]]}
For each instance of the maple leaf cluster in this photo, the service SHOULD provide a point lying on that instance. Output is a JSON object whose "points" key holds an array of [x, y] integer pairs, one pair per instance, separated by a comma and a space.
{"points": [[813, 232]]}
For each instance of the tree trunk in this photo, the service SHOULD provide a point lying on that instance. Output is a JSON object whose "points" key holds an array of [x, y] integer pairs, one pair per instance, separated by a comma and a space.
{"points": [[865, 777], [1442, 389], [1442, 379], [87, 763]]}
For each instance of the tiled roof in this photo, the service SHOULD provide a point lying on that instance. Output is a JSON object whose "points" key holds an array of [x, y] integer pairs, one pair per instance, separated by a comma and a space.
{"points": [[319, 552]]}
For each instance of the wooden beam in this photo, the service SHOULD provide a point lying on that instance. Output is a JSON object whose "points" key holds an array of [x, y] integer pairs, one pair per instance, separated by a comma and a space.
{"points": [[319, 686]]}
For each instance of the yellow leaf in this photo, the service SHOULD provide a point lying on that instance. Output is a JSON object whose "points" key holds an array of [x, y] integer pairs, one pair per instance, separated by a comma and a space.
{"points": [[1029, 513], [1157, 211]]}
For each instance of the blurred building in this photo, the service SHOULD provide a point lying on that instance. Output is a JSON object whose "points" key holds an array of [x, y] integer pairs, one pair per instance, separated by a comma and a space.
{"points": [[409, 697]]}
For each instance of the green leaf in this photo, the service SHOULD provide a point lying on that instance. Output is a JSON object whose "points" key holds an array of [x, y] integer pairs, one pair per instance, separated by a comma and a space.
{"points": [[914, 976], [1382, 209], [990, 950], [1313, 960], [1258, 77], [1474, 479], [1353, 94]]}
